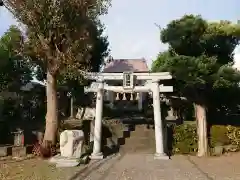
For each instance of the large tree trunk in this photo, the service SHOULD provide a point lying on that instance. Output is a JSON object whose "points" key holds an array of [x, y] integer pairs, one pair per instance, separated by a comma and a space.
{"points": [[200, 113], [52, 110]]}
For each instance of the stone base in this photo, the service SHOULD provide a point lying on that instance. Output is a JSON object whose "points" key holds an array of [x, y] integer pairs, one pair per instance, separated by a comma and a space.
{"points": [[19, 151], [64, 162], [5, 151], [161, 156], [98, 156]]}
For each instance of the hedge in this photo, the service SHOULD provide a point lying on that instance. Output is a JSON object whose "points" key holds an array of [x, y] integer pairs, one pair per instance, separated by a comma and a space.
{"points": [[185, 138]]}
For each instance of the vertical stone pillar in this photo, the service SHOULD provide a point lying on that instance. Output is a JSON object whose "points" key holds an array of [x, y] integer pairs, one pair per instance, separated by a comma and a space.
{"points": [[106, 96], [111, 98], [117, 96], [137, 96], [92, 131], [131, 97], [140, 101], [124, 96], [159, 135], [97, 154]]}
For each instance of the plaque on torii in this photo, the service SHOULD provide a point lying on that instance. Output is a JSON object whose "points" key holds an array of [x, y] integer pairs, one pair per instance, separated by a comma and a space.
{"points": [[128, 80]]}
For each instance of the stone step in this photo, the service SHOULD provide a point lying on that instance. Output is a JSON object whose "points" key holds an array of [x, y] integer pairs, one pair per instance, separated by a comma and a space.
{"points": [[142, 134], [137, 148], [130, 142], [134, 138], [141, 139]]}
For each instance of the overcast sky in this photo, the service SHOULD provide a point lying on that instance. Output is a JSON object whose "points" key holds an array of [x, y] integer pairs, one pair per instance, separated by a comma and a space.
{"points": [[130, 24]]}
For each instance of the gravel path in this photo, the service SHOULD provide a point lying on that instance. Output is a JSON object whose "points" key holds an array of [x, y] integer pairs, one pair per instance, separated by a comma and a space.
{"points": [[144, 167], [134, 166]]}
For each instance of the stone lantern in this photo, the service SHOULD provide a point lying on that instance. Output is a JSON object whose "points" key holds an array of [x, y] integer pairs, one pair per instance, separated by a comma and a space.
{"points": [[170, 112], [19, 149], [18, 137]]}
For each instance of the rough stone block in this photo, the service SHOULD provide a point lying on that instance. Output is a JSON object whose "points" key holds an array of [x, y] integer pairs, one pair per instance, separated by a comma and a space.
{"points": [[19, 151], [64, 162], [71, 143], [5, 151]]}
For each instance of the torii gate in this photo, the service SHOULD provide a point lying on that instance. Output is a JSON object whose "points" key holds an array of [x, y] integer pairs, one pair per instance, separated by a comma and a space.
{"points": [[129, 79]]}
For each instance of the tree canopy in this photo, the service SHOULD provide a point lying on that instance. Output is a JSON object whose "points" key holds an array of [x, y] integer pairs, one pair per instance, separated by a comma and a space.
{"points": [[62, 38], [14, 69], [193, 36], [200, 58], [60, 33]]}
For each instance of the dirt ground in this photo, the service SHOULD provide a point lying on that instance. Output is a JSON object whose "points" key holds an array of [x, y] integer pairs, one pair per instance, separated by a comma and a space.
{"points": [[135, 166], [34, 169]]}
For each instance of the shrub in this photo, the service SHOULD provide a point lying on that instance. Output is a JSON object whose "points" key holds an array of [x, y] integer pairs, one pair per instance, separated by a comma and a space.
{"points": [[185, 139], [233, 134], [218, 136]]}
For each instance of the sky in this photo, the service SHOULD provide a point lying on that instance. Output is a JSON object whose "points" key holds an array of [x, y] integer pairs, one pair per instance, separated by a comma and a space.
{"points": [[131, 24]]}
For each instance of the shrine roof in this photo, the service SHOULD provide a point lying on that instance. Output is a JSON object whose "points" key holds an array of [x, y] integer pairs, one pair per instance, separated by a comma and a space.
{"points": [[123, 65]]}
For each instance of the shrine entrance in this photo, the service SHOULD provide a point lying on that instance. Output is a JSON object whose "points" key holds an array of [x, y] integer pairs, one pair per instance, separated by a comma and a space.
{"points": [[152, 84]]}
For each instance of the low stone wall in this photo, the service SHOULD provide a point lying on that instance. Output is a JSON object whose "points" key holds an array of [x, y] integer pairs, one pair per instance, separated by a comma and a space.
{"points": [[15, 151]]}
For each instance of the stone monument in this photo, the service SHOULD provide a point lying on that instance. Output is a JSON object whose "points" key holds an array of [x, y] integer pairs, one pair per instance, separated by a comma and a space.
{"points": [[71, 146], [86, 113], [171, 116], [89, 114]]}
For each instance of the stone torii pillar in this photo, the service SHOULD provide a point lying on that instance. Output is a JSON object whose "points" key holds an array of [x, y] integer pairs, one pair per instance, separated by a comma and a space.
{"points": [[140, 101], [111, 98], [97, 154], [159, 129]]}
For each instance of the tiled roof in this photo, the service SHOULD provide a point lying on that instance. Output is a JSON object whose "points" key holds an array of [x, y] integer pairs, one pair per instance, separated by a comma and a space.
{"points": [[123, 65]]}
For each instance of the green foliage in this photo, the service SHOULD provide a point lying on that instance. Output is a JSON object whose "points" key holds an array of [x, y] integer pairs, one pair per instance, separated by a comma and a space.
{"points": [[199, 57], [219, 136], [233, 134], [28, 106], [74, 81], [161, 59], [15, 73], [185, 139], [63, 37], [14, 69], [1, 106], [198, 77], [61, 34], [193, 36]]}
